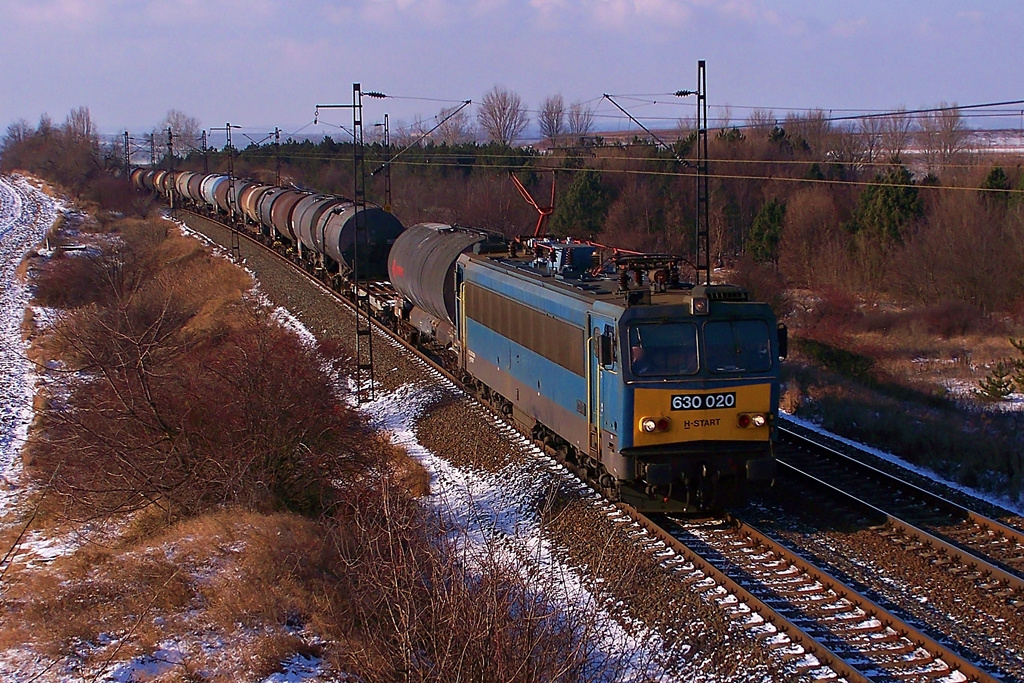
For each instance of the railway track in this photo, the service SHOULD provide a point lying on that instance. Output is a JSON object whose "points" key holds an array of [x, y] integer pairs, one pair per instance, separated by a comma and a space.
{"points": [[871, 642], [952, 536]]}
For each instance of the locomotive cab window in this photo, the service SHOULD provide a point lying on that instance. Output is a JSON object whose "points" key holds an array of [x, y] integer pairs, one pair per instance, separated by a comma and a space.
{"points": [[737, 346], [658, 349]]}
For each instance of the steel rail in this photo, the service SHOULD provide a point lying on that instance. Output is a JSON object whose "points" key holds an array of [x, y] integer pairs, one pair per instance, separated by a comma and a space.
{"points": [[958, 551], [955, 661]]}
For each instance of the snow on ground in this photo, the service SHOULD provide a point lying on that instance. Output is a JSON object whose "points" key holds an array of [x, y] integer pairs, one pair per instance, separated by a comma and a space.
{"points": [[1016, 507], [969, 394], [21, 227]]}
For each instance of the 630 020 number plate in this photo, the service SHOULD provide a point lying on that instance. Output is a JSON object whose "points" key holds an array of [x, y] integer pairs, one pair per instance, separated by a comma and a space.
{"points": [[725, 399]]}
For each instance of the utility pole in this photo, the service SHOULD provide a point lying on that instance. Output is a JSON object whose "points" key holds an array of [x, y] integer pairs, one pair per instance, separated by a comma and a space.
{"points": [[206, 160], [170, 150], [703, 220], [170, 165], [152, 150], [127, 156], [236, 247], [277, 154], [387, 169], [702, 245], [361, 295], [364, 328]]}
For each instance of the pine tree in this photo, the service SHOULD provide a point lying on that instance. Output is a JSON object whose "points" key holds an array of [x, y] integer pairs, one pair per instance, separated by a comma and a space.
{"points": [[766, 232], [1018, 365], [997, 385], [993, 188], [887, 207], [580, 211]]}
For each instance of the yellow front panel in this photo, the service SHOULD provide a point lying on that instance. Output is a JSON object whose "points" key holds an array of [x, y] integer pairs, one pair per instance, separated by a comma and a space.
{"points": [[699, 424]]}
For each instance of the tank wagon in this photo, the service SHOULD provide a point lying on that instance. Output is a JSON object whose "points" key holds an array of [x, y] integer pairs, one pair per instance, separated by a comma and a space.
{"points": [[319, 229], [663, 394]]}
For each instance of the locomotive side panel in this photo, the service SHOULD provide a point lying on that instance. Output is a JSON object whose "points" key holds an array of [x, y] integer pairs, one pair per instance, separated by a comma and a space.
{"points": [[534, 359]]}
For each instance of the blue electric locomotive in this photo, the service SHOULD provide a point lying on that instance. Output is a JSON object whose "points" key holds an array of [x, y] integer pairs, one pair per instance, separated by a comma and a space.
{"points": [[663, 394]]}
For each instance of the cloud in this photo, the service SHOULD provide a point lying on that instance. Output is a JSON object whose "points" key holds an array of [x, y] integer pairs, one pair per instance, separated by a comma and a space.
{"points": [[230, 13], [848, 28], [975, 17], [68, 12], [431, 13]]}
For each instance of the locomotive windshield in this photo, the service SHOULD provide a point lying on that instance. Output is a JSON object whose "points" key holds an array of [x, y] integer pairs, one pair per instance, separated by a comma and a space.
{"points": [[737, 346], [663, 349], [670, 348]]}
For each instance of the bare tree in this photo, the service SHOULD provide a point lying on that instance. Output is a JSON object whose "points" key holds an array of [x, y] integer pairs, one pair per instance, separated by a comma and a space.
{"points": [[724, 117], [552, 117], [845, 145], [581, 119], [186, 129], [896, 133], [870, 131], [404, 134], [17, 132], [502, 115], [814, 127], [79, 126], [943, 136], [761, 122], [456, 130]]}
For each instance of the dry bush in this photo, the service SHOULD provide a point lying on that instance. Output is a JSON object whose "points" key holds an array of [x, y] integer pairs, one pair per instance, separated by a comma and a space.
{"points": [[427, 615], [764, 284], [68, 280], [832, 317], [967, 252], [813, 248], [113, 194], [945, 320], [170, 411], [186, 424]]}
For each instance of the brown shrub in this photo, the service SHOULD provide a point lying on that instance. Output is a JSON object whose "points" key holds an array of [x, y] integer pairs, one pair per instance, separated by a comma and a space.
{"points": [[765, 284], [813, 248], [173, 412], [68, 280], [945, 320]]}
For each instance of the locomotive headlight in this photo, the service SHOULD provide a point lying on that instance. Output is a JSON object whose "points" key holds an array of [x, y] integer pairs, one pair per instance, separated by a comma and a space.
{"points": [[654, 424], [745, 420]]}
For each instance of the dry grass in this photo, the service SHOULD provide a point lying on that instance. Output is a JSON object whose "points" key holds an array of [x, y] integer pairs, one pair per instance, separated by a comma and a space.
{"points": [[247, 578], [407, 472], [924, 348], [865, 363]]}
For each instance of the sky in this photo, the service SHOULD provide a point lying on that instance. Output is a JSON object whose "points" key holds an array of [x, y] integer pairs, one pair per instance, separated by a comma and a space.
{"points": [[262, 64]]}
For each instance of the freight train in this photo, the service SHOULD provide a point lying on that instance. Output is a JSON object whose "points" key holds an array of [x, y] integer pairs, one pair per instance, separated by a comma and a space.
{"points": [[661, 394]]}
